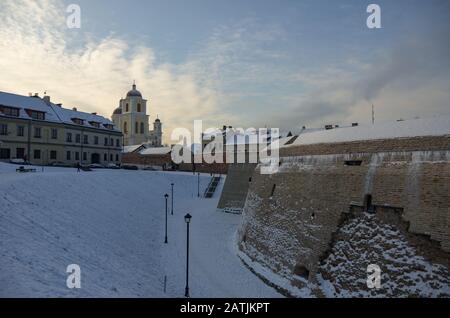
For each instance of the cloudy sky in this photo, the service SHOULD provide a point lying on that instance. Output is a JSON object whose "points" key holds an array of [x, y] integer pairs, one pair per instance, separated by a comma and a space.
{"points": [[246, 63]]}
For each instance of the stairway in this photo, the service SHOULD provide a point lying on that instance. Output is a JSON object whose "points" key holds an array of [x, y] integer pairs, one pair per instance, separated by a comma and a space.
{"points": [[211, 189]]}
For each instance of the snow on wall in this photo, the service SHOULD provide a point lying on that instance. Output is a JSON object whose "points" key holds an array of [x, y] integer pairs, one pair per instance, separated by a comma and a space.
{"points": [[366, 240]]}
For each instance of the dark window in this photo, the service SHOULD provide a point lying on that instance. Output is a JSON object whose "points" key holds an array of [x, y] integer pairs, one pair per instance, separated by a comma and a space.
{"points": [[273, 190], [84, 156], [53, 155], [37, 154], [110, 157], [78, 121], [105, 157], [85, 139], [77, 156], [117, 142], [117, 157], [125, 127], [69, 137], [142, 128], [20, 153], [20, 131], [68, 155], [5, 153], [126, 107], [139, 108], [96, 140], [36, 115], [111, 142], [78, 138], [10, 111], [37, 132], [3, 129], [54, 133], [250, 179], [136, 127], [106, 141], [353, 162]]}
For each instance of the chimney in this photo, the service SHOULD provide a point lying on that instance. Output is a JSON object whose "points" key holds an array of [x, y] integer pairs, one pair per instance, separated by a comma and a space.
{"points": [[94, 114], [59, 105], [46, 100], [74, 109]]}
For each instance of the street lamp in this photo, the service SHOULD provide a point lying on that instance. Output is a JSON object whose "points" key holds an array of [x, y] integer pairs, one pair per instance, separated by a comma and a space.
{"points": [[198, 184], [187, 219], [172, 200], [166, 196]]}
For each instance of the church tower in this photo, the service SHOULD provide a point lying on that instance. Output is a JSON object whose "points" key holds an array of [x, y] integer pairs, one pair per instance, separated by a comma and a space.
{"points": [[131, 116]]}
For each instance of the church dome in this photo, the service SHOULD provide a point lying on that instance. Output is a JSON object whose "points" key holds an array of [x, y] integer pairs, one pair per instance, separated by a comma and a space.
{"points": [[117, 111], [134, 92]]}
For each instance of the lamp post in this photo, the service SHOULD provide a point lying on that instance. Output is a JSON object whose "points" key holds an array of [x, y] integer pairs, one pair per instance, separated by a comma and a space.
{"points": [[166, 196], [198, 184], [171, 212], [187, 219]]}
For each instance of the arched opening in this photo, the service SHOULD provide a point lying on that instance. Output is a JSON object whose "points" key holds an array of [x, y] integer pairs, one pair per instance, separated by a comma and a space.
{"points": [[139, 108], [126, 107], [301, 271]]}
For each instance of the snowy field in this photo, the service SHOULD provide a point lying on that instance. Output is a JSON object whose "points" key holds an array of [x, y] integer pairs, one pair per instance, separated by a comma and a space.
{"points": [[111, 223]]}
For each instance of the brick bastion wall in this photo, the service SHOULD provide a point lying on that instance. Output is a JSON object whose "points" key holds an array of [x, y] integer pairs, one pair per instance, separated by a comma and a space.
{"points": [[291, 219]]}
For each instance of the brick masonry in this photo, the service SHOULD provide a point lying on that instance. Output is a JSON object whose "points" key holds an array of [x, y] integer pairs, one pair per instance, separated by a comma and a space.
{"points": [[291, 217]]}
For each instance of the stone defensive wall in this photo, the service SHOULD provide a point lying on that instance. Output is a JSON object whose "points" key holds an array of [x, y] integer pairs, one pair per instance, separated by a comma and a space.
{"points": [[290, 218]]}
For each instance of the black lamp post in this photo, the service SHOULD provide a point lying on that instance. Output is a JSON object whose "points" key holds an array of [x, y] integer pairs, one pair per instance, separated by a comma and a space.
{"points": [[171, 212], [187, 219], [166, 196], [198, 184]]}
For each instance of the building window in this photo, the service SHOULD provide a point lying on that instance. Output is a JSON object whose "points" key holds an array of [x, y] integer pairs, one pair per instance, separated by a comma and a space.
{"points": [[106, 141], [69, 137], [3, 129], [35, 114], [78, 121], [37, 132], [117, 157], [53, 155], [37, 154], [20, 153], [117, 143], [78, 138], [10, 111], [111, 142], [20, 131], [68, 155], [139, 107], [105, 157], [110, 157], [96, 140], [125, 127], [84, 156], [54, 133], [126, 107], [5, 153], [77, 156], [142, 128], [85, 139], [136, 128]]}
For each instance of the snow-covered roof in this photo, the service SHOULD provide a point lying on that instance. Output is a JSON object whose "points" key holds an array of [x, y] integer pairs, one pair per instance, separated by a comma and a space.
{"points": [[434, 126], [132, 148], [53, 113], [156, 151]]}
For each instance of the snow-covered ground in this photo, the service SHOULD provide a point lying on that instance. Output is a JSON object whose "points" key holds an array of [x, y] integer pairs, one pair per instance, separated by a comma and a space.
{"points": [[111, 223]]}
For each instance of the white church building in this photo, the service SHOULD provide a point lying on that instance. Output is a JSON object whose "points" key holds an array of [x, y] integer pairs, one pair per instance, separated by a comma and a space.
{"points": [[132, 119]]}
